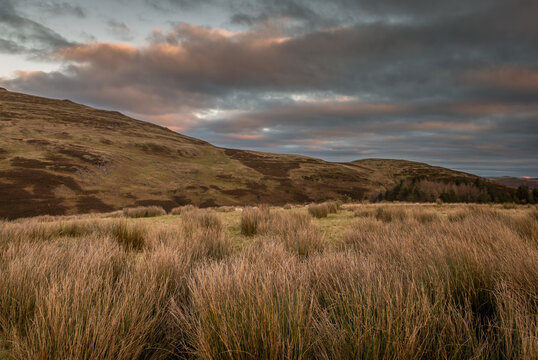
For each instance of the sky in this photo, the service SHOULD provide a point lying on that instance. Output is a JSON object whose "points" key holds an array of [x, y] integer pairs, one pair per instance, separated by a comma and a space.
{"points": [[449, 83]]}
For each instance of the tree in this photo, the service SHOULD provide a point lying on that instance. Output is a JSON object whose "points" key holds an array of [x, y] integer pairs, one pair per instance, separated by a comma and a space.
{"points": [[532, 199], [522, 193], [484, 197]]}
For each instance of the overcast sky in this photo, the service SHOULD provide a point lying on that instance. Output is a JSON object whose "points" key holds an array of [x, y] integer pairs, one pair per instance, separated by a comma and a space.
{"points": [[450, 83]]}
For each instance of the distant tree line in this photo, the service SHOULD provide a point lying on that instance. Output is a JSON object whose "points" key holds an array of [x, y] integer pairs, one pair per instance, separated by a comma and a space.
{"points": [[475, 190]]}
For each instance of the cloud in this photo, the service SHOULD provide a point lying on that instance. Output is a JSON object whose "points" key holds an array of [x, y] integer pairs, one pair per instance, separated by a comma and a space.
{"points": [[509, 77], [28, 36], [11, 47], [53, 8], [120, 30], [183, 4]]}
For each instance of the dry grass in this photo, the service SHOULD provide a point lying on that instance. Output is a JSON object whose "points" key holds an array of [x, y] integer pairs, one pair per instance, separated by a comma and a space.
{"points": [[182, 209], [202, 232], [333, 206], [318, 210], [143, 211], [404, 282], [130, 236], [252, 219], [296, 232]]}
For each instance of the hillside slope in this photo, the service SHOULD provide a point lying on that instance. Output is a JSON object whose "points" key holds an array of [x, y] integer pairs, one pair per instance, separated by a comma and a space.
{"points": [[58, 157], [515, 182]]}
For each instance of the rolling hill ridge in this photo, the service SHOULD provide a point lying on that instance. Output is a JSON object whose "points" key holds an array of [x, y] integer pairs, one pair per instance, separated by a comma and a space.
{"points": [[58, 157]]}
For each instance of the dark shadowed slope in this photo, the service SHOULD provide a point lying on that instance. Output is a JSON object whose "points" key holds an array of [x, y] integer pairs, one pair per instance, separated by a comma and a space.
{"points": [[515, 182], [58, 157]]}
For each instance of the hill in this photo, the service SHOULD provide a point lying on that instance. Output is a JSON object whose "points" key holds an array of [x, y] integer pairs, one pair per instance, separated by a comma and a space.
{"points": [[515, 182], [58, 157]]}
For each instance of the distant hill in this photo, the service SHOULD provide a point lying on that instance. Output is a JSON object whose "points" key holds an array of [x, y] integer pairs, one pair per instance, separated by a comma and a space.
{"points": [[515, 182], [58, 157]]}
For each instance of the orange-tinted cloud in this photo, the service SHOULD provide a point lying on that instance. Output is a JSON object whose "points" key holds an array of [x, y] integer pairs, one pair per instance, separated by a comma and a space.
{"points": [[246, 136], [508, 77]]}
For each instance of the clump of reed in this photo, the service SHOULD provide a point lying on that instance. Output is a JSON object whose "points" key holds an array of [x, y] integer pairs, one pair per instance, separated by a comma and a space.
{"points": [[182, 209], [143, 211], [292, 229], [296, 232], [388, 214], [202, 231], [129, 235], [225, 209], [318, 210], [361, 211], [253, 219], [266, 313], [333, 206], [201, 219]]}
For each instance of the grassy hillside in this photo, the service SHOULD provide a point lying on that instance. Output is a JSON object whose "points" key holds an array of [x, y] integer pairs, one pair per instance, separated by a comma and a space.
{"points": [[58, 157], [378, 281]]}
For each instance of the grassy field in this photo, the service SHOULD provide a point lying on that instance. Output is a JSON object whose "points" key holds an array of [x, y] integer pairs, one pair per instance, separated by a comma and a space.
{"points": [[369, 281]]}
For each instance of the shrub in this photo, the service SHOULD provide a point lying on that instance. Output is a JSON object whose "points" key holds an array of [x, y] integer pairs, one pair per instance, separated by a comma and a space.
{"points": [[318, 210], [144, 211]]}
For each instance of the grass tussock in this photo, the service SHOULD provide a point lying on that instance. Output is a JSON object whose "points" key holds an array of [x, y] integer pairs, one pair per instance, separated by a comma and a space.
{"points": [[318, 210], [202, 231], [402, 282], [292, 229], [363, 212], [201, 219], [129, 235], [225, 209], [333, 206], [182, 209], [253, 219], [143, 211], [295, 232], [388, 214]]}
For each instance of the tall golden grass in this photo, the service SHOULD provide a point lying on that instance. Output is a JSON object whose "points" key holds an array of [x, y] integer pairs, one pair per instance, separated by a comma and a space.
{"points": [[143, 211], [318, 210], [403, 282], [182, 209]]}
